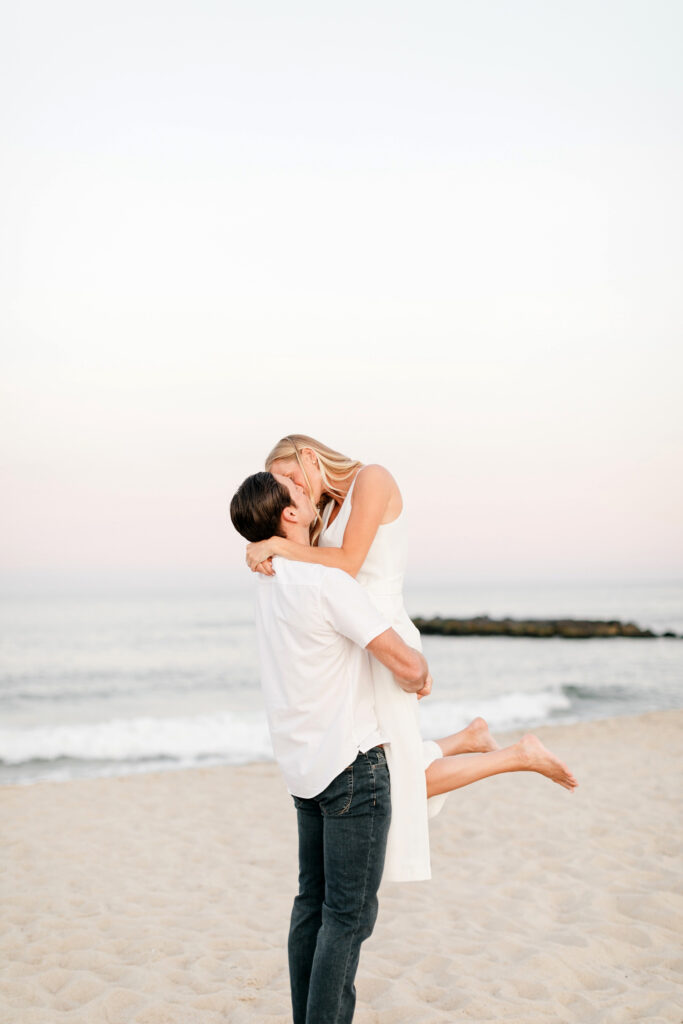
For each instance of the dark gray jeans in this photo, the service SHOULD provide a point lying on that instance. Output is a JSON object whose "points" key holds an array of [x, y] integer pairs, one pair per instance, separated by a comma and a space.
{"points": [[342, 843]]}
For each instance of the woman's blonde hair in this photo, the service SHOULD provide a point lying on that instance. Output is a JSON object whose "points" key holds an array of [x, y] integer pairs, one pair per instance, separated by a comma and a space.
{"points": [[333, 467]]}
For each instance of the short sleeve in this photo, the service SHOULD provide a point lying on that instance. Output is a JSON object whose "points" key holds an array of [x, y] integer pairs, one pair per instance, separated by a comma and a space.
{"points": [[347, 608]]}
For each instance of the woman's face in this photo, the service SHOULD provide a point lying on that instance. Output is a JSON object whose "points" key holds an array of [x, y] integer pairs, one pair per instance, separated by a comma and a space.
{"points": [[291, 468]]}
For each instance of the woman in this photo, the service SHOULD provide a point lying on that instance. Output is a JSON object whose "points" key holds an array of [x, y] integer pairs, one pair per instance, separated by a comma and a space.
{"points": [[360, 529]]}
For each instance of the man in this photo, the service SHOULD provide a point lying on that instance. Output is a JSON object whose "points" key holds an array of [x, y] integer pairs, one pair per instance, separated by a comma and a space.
{"points": [[314, 627]]}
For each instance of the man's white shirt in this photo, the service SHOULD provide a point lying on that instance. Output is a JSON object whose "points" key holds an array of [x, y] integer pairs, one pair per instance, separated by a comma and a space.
{"points": [[313, 624]]}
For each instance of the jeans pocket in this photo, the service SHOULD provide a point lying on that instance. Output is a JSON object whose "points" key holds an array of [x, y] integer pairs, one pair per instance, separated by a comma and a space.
{"points": [[337, 798], [381, 784]]}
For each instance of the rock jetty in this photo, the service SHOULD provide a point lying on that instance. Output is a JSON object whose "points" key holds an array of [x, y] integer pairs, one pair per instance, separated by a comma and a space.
{"points": [[571, 629]]}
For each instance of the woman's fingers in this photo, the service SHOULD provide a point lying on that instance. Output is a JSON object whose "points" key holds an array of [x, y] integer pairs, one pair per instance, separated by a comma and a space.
{"points": [[265, 568], [257, 551]]}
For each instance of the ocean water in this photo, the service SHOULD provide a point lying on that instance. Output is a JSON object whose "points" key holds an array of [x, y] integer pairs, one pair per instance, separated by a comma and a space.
{"points": [[104, 686]]}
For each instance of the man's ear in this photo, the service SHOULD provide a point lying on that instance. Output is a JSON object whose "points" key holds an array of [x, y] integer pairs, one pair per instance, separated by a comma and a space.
{"points": [[289, 514]]}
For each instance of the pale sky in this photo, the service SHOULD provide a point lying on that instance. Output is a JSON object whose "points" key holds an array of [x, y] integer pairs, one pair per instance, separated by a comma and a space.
{"points": [[447, 237]]}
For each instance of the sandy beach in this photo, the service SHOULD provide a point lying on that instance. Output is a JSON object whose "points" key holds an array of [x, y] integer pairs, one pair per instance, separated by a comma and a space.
{"points": [[164, 898]]}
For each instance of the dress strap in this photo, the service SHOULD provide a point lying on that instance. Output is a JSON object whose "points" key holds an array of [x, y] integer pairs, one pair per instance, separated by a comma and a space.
{"points": [[353, 482]]}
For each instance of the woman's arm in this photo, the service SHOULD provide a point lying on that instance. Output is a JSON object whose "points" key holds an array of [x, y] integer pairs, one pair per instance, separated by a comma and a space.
{"points": [[374, 495]]}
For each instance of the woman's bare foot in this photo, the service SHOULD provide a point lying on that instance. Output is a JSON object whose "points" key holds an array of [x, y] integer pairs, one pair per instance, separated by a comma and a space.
{"points": [[537, 758], [481, 739], [475, 738]]}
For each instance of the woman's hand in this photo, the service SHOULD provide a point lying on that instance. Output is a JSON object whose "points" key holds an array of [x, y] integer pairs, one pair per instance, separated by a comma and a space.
{"points": [[259, 556], [265, 567]]}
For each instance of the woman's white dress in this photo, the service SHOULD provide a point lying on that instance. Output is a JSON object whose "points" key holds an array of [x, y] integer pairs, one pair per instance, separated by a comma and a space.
{"points": [[407, 755]]}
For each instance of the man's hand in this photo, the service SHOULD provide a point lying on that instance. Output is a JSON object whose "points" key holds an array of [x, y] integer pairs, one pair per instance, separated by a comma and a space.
{"points": [[426, 689], [409, 668]]}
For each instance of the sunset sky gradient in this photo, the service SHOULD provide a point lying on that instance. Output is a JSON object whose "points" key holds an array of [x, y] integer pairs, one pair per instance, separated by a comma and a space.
{"points": [[447, 237]]}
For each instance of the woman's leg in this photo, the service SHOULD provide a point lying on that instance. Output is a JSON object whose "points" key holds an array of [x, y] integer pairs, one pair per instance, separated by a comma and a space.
{"points": [[528, 755], [475, 738]]}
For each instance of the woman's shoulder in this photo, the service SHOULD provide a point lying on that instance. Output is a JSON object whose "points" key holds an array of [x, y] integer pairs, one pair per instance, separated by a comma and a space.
{"points": [[374, 476], [375, 487]]}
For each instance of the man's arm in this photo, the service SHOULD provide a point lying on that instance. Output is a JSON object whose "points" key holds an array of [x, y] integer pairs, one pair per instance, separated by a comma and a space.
{"points": [[408, 665], [349, 610]]}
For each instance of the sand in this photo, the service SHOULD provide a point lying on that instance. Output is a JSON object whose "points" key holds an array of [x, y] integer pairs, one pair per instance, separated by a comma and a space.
{"points": [[164, 898]]}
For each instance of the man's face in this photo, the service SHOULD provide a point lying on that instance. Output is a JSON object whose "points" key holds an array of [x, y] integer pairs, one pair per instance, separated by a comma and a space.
{"points": [[300, 500]]}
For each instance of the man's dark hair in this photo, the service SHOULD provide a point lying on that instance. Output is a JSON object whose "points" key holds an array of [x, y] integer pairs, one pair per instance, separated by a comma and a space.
{"points": [[257, 505]]}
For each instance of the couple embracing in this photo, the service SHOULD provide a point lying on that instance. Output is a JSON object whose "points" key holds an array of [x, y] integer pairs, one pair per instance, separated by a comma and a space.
{"points": [[341, 673]]}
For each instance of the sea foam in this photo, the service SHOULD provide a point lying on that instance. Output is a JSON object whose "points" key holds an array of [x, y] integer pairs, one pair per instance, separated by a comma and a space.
{"points": [[508, 711], [228, 736], [234, 738]]}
